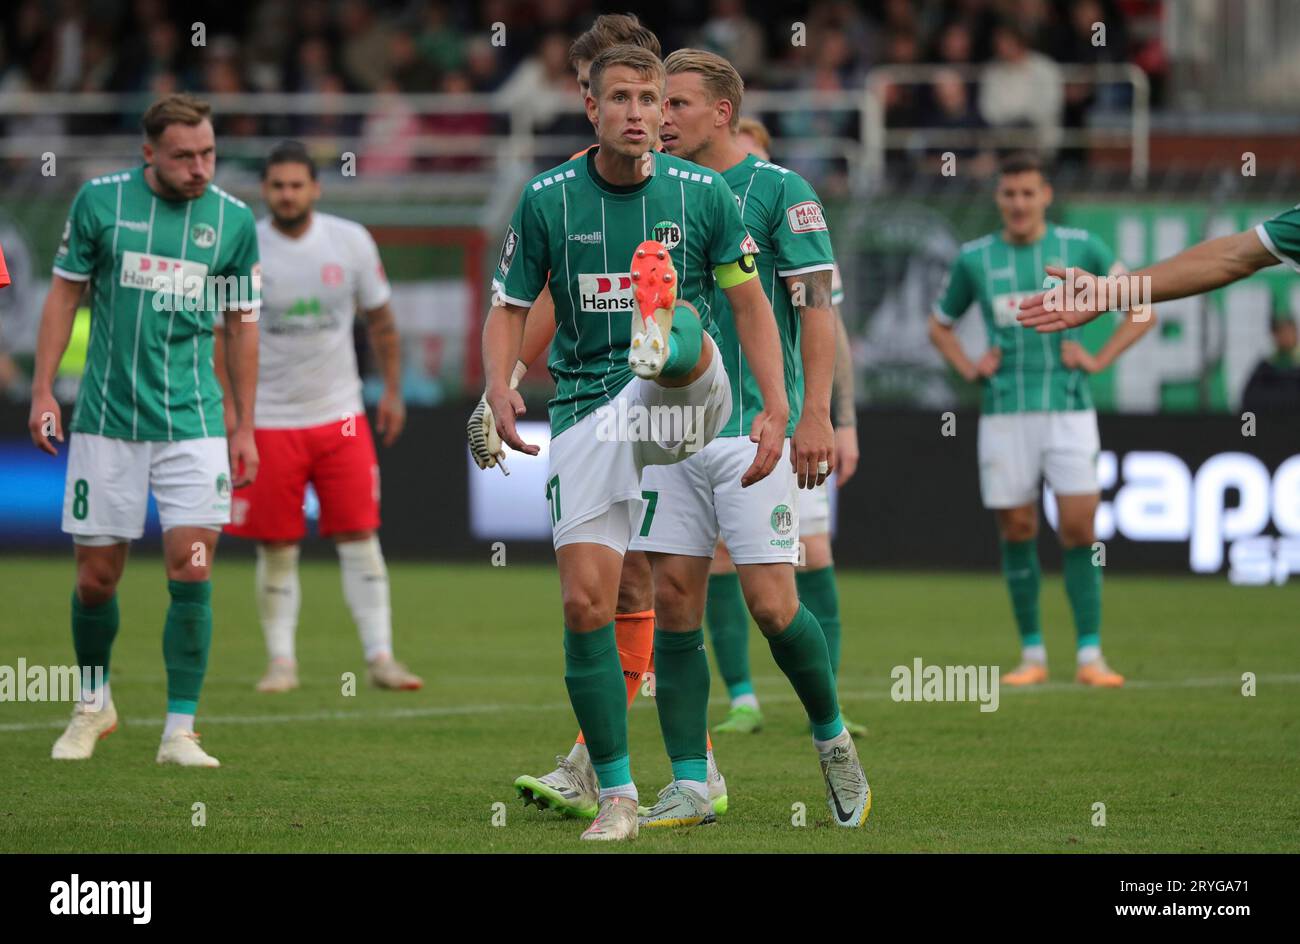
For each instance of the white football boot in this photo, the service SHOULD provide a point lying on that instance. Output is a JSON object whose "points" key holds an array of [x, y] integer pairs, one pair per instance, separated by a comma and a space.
{"points": [[847, 792], [615, 821], [86, 729], [281, 676], [655, 294], [390, 674], [182, 748]]}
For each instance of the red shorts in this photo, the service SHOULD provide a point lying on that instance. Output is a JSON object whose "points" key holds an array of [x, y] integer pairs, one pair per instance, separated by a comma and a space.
{"points": [[339, 461]]}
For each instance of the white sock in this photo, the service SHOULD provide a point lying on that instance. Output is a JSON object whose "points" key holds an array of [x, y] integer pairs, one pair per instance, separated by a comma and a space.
{"points": [[698, 787], [278, 596], [177, 722], [749, 699], [365, 586], [1037, 654], [579, 754], [1089, 654], [96, 699], [824, 746], [626, 790]]}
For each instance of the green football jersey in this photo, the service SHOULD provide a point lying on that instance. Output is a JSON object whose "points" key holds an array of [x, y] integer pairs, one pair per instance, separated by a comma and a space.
{"points": [[148, 372], [1281, 235], [577, 233], [784, 216], [998, 275]]}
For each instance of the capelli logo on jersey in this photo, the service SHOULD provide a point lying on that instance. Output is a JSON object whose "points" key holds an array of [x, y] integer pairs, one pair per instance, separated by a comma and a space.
{"points": [[605, 291], [587, 239]]}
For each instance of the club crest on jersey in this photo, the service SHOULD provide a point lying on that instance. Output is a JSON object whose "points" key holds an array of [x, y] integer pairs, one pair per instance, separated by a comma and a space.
{"points": [[331, 274], [508, 247], [605, 291], [806, 217], [668, 233], [203, 235]]}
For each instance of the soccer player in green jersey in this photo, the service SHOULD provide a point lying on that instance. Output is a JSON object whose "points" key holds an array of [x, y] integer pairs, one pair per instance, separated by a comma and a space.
{"points": [[1037, 421], [692, 503], [576, 228], [725, 611], [1202, 268], [162, 249]]}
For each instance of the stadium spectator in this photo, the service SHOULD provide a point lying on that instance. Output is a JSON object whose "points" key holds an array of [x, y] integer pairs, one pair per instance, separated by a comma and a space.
{"points": [[457, 125], [408, 68], [365, 45], [440, 42], [1082, 43], [734, 35], [1274, 386], [389, 134], [950, 108], [1022, 88]]}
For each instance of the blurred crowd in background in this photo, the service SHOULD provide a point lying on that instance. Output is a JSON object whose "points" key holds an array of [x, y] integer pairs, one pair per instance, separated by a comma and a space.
{"points": [[337, 46]]}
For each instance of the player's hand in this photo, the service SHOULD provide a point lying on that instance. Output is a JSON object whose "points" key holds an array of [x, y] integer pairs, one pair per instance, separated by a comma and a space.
{"points": [[243, 457], [1064, 306], [769, 432], [484, 444], [846, 454], [45, 422], [1077, 357], [988, 364], [390, 417], [506, 405], [812, 445]]}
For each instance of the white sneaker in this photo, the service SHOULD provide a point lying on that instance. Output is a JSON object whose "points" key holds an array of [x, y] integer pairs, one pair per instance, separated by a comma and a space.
{"points": [[616, 820], [391, 674], [847, 792], [281, 676], [183, 748], [86, 729]]}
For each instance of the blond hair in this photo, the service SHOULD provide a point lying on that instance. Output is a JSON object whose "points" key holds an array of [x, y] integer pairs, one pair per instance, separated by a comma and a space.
{"points": [[719, 77], [612, 29], [758, 131], [642, 61], [179, 108]]}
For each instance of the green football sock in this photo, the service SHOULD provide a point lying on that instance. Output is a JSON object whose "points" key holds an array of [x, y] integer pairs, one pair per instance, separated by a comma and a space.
{"points": [[1020, 568], [800, 652], [728, 620], [187, 637], [682, 696], [93, 630], [818, 592], [1083, 587], [684, 341], [594, 677]]}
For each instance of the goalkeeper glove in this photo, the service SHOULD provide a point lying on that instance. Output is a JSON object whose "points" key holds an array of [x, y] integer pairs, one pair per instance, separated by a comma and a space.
{"points": [[485, 446]]}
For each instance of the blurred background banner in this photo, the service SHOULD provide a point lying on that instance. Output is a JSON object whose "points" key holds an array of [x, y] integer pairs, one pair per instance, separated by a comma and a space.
{"points": [[1165, 122]]}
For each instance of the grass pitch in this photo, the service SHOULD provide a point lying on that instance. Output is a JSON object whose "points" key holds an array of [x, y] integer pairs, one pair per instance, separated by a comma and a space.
{"points": [[1182, 760]]}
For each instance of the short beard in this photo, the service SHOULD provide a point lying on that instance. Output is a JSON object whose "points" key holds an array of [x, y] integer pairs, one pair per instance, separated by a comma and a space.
{"points": [[291, 222]]}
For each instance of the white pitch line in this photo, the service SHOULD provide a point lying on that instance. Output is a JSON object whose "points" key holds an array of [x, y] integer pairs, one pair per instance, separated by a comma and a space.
{"points": [[880, 694]]}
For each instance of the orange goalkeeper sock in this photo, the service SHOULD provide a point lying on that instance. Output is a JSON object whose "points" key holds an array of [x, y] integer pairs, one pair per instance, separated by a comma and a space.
{"points": [[635, 633]]}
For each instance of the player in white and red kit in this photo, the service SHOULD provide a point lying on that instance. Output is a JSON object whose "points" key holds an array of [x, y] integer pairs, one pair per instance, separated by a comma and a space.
{"points": [[318, 272]]}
